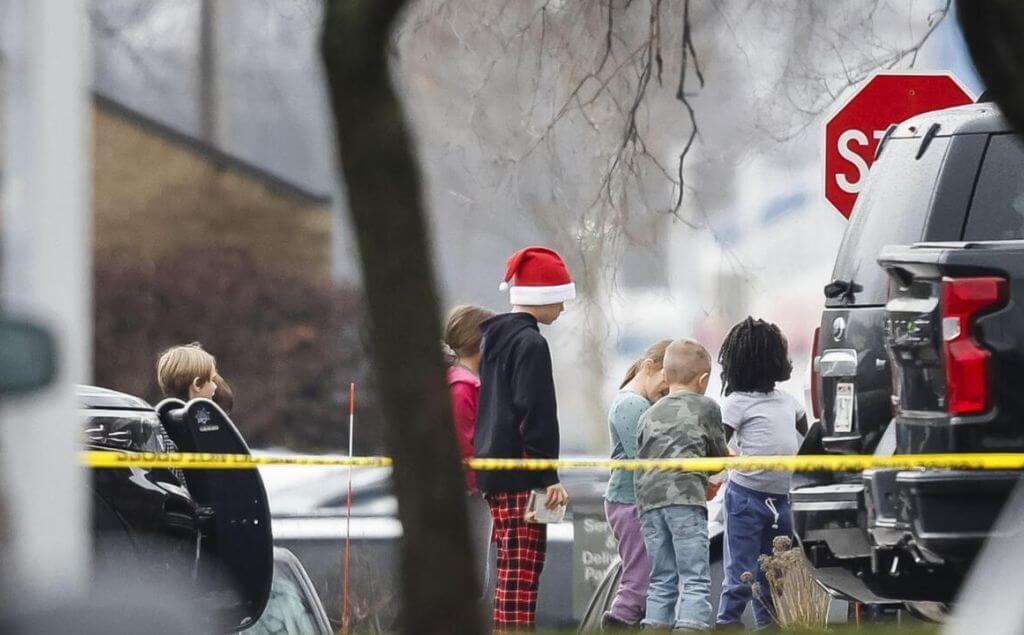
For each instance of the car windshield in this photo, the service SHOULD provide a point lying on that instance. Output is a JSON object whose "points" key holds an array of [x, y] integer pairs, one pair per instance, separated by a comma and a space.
{"points": [[288, 610], [891, 210]]}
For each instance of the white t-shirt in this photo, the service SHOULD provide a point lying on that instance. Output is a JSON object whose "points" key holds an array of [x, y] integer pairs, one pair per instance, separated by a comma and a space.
{"points": [[764, 425]]}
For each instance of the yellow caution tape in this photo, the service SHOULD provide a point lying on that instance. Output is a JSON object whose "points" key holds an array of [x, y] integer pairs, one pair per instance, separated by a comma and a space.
{"points": [[806, 463], [213, 461]]}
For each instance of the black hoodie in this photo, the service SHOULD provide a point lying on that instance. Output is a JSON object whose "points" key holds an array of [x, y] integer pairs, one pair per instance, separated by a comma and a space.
{"points": [[517, 416]]}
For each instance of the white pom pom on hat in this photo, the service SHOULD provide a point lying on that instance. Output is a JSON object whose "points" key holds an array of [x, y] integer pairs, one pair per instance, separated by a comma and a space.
{"points": [[537, 276]]}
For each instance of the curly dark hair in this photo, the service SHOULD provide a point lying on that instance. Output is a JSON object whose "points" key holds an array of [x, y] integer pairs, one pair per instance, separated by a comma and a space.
{"points": [[754, 357]]}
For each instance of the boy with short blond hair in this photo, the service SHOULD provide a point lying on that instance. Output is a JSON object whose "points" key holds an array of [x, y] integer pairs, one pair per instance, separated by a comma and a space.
{"points": [[672, 503], [186, 372]]}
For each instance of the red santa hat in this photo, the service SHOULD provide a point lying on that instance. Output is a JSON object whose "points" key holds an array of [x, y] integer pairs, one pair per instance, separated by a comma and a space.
{"points": [[538, 276]]}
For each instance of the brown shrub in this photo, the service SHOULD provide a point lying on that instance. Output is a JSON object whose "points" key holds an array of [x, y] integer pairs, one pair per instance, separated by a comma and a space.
{"points": [[799, 602], [288, 345]]}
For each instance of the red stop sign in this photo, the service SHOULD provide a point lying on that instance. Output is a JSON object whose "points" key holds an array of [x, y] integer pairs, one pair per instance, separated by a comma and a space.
{"points": [[853, 132]]}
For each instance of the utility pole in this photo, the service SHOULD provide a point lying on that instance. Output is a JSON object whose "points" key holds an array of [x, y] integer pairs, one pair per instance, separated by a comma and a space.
{"points": [[211, 122], [47, 276]]}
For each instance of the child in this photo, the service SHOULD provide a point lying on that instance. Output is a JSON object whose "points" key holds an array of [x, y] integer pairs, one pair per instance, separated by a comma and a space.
{"points": [[186, 372], [518, 417], [672, 503], [644, 384], [765, 422], [462, 336], [223, 396]]}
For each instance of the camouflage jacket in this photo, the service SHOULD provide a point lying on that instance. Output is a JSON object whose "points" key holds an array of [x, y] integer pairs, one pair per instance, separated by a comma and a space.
{"points": [[680, 425]]}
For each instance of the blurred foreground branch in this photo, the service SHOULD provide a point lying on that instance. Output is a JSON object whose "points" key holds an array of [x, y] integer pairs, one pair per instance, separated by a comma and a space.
{"points": [[992, 30]]}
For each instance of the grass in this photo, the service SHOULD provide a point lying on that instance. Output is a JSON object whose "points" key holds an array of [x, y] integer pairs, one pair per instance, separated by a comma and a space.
{"points": [[838, 629]]}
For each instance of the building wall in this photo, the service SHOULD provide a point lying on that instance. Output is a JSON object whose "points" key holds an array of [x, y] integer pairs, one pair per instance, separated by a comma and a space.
{"points": [[153, 195]]}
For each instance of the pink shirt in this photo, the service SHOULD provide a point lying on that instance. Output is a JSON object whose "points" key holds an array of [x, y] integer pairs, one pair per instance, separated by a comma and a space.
{"points": [[465, 390]]}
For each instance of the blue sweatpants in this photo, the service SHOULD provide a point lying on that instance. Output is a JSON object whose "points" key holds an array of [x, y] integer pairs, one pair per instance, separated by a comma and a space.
{"points": [[752, 520]]}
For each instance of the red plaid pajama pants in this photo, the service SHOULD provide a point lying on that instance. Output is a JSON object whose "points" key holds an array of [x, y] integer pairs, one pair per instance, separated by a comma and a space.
{"points": [[521, 550]]}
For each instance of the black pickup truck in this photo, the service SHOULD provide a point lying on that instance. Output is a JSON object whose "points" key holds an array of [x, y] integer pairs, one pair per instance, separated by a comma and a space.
{"points": [[920, 354], [956, 337]]}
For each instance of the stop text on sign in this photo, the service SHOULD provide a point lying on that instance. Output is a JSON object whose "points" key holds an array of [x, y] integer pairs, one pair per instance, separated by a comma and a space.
{"points": [[852, 143], [853, 133]]}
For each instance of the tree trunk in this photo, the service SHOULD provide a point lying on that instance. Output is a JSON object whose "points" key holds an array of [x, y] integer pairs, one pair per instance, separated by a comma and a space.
{"points": [[386, 207], [992, 30]]}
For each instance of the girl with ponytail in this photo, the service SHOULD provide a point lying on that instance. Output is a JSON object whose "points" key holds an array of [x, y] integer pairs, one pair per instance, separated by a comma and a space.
{"points": [[461, 348], [461, 344], [643, 385]]}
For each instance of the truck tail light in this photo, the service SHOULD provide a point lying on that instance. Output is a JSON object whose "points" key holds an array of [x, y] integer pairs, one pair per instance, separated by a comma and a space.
{"points": [[968, 378], [816, 375]]}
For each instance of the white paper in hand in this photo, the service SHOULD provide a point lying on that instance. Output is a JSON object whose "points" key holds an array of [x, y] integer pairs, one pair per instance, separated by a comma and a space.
{"points": [[538, 512]]}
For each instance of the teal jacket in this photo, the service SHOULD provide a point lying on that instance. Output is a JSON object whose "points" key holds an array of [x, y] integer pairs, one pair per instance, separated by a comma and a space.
{"points": [[623, 417]]}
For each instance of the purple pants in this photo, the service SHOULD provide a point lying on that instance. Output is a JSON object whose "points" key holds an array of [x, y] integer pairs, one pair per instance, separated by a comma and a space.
{"points": [[631, 597]]}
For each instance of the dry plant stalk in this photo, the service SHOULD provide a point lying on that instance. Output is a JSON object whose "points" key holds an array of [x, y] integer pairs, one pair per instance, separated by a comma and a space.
{"points": [[371, 600], [798, 601]]}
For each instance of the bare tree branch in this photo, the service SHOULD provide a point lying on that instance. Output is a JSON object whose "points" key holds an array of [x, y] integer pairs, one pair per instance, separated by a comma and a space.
{"points": [[688, 52]]}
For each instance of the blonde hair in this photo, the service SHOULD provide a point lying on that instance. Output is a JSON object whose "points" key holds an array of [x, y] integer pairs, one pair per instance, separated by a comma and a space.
{"points": [[655, 352], [462, 334], [179, 366], [685, 361]]}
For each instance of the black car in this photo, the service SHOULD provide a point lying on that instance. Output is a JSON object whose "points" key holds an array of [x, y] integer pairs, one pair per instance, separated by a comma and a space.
{"points": [[208, 528], [949, 175]]}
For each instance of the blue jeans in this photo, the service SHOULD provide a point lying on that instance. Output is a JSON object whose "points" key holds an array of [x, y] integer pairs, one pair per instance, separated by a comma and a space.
{"points": [[751, 525], [679, 595]]}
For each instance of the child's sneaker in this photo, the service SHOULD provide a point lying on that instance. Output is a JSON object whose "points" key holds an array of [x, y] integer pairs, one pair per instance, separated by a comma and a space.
{"points": [[611, 623]]}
